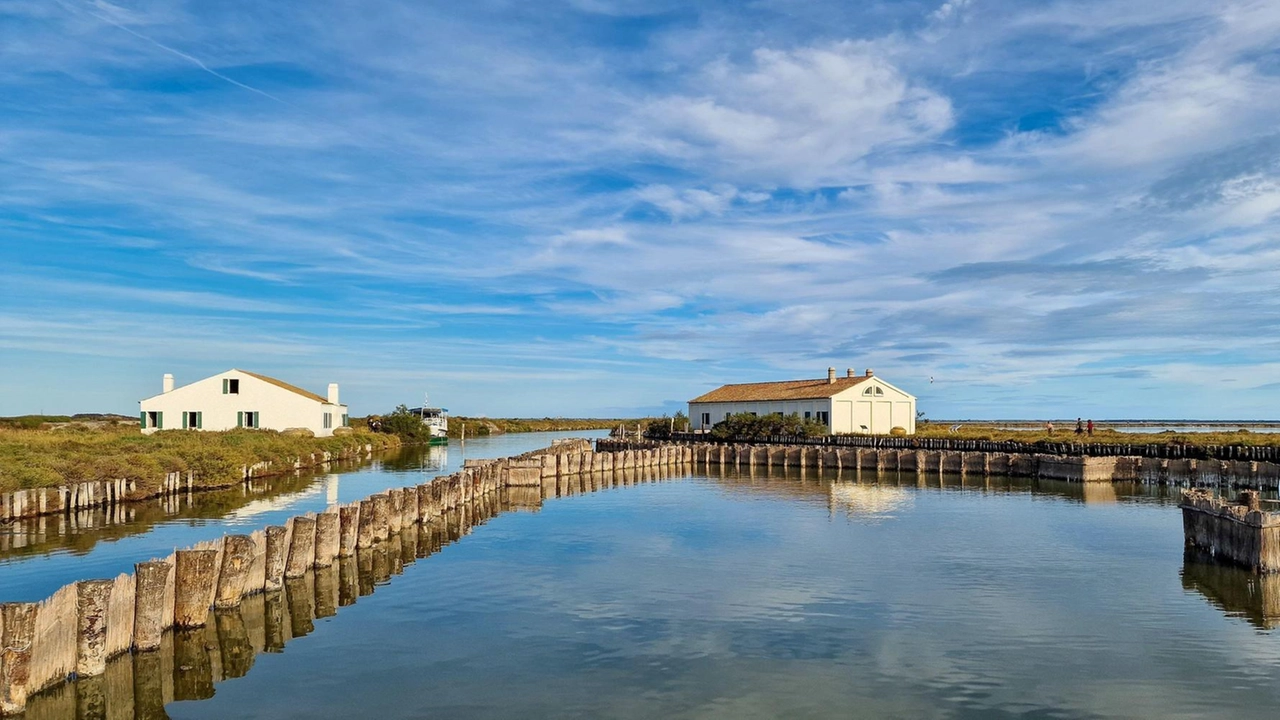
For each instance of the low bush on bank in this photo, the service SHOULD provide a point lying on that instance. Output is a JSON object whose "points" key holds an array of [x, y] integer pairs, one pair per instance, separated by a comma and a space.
{"points": [[748, 426], [74, 454]]}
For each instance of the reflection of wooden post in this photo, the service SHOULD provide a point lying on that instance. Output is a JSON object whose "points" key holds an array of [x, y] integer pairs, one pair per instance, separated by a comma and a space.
{"points": [[17, 631], [348, 525], [237, 556], [194, 584], [92, 597], [148, 686], [328, 540], [148, 604], [277, 555], [192, 670], [302, 550], [234, 647]]}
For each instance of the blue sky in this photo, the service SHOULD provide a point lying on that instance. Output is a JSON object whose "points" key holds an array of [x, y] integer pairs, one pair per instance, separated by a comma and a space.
{"points": [[606, 207]]}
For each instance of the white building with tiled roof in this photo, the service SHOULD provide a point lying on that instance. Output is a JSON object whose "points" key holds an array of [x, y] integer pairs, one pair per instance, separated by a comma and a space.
{"points": [[239, 399], [860, 404]]}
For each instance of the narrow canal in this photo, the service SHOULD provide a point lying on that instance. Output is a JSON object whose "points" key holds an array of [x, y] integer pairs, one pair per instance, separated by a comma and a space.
{"points": [[41, 555], [738, 596]]}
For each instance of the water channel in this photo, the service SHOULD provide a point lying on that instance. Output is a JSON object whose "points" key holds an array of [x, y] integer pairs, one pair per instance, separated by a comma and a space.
{"points": [[727, 595]]}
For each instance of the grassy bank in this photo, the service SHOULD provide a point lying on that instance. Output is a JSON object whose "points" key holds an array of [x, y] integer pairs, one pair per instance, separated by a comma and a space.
{"points": [[497, 426], [78, 453], [978, 431]]}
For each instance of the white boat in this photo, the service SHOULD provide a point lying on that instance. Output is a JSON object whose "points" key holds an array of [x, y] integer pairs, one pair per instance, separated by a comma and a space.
{"points": [[436, 419]]}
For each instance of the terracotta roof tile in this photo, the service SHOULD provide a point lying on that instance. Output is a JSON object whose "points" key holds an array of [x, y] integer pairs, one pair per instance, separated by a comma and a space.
{"points": [[784, 390], [287, 386]]}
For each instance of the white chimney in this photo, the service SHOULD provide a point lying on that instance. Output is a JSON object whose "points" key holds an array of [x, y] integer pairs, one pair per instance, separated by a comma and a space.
{"points": [[869, 373], [333, 393], [849, 372], [831, 376], [168, 383]]}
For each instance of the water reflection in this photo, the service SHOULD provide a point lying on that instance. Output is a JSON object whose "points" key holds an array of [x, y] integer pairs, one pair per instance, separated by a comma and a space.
{"points": [[1238, 592], [190, 663]]}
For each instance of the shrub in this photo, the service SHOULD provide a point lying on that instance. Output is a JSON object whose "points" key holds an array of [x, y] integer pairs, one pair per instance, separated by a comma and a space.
{"points": [[747, 426]]}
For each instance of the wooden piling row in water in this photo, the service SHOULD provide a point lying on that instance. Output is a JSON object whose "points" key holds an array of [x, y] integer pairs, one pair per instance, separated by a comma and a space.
{"points": [[70, 499], [77, 631], [1078, 468]]}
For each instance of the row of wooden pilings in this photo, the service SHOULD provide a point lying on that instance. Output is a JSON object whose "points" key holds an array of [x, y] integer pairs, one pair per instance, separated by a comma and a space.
{"points": [[74, 633], [35, 502], [1234, 473]]}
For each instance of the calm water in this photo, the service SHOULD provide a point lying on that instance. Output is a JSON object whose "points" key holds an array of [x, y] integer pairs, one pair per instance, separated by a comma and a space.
{"points": [[740, 597], [55, 551]]}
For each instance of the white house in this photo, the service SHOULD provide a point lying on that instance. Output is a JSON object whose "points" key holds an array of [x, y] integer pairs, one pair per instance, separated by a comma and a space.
{"points": [[852, 404], [239, 399]]}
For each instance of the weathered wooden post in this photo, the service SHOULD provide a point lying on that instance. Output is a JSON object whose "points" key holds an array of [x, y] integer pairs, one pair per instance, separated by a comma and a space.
{"points": [[409, 507], [395, 510], [195, 580], [425, 509], [328, 538], [302, 547], [237, 558], [151, 580], [276, 557], [17, 633], [381, 517], [91, 626]]}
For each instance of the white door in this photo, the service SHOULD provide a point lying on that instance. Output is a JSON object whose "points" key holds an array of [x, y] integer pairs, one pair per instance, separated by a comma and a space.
{"points": [[862, 416]]}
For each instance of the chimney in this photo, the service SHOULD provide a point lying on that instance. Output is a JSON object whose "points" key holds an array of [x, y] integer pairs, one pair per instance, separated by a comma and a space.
{"points": [[168, 383], [333, 393], [831, 376], [849, 372], [869, 373]]}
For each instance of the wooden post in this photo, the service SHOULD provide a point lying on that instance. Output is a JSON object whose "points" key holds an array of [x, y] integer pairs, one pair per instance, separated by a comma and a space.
{"points": [[302, 547], [349, 523], [151, 579], [277, 556], [381, 517], [237, 557], [195, 581], [92, 597], [426, 511], [364, 533], [395, 510], [17, 632], [328, 538], [409, 507]]}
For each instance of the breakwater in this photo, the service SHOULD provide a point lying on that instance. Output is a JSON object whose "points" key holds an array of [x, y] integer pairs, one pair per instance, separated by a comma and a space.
{"points": [[1073, 468], [74, 634], [1240, 532], [111, 494], [1165, 451]]}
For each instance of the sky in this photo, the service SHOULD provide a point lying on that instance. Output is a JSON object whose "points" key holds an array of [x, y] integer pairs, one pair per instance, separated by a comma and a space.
{"points": [[1010, 208]]}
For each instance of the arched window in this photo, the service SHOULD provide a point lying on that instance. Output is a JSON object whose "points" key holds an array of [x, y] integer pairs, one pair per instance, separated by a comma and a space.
{"points": [[876, 391]]}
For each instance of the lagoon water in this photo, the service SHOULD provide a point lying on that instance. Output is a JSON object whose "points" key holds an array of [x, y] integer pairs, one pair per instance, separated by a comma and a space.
{"points": [[733, 596]]}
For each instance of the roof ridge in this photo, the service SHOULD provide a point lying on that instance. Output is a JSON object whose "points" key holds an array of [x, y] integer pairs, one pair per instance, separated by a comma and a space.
{"points": [[285, 386]]}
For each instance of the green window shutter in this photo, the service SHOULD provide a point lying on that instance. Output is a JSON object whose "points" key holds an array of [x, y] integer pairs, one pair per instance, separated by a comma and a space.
{"points": [[240, 419], [185, 416], [159, 421], [226, 386], [142, 419], [199, 420]]}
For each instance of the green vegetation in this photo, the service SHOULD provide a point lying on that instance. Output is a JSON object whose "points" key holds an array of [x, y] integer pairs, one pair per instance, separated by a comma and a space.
{"points": [[80, 453], [498, 426], [748, 426], [405, 425], [979, 431]]}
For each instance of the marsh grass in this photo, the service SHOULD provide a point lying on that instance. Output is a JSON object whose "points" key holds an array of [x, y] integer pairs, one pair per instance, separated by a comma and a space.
{"points": [[78, 453], [978, 431]]}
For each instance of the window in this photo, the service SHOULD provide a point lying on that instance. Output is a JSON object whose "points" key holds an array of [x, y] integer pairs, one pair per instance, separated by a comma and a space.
{"points": [[152, 419], [247, 419], [807, 415], [706, 419], [192, 420], [824, 417], [346, 420], [876, 391], [328, 421], [230, 386]]}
